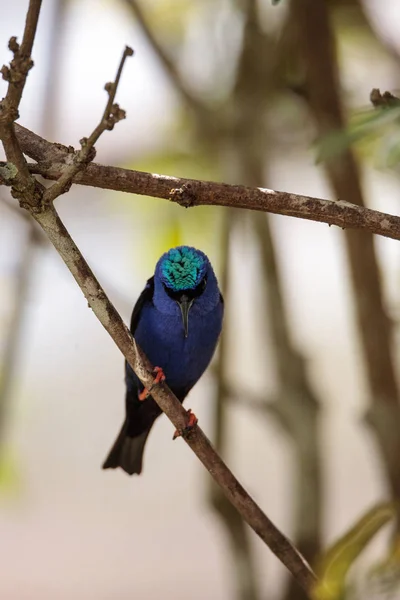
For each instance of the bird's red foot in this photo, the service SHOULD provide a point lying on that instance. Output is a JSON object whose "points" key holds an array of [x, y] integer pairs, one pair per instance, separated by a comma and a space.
{"points": [[192, 421], [159, 377]]}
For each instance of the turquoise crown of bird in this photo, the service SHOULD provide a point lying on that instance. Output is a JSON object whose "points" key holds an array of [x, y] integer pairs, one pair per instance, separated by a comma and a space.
{"points": [[177, 321]]}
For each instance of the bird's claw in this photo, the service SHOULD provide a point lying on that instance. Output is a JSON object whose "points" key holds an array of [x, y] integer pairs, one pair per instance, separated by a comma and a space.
{"points": [[192, 421], [159, 377]]}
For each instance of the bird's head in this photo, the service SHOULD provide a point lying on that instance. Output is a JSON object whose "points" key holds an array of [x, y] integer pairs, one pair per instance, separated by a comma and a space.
{"points": [[184, 278]]}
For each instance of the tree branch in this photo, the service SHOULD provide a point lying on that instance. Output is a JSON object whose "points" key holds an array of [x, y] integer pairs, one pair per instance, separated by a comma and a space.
{"points": [[198, 442], [45, 214], [192, 192]]}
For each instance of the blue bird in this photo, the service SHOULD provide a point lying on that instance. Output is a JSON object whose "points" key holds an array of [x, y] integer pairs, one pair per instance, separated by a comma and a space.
{"points": [[176, 321]]}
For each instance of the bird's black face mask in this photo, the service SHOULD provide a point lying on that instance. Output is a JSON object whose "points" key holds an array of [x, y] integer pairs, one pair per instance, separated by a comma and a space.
{"points": [[185, 299]]}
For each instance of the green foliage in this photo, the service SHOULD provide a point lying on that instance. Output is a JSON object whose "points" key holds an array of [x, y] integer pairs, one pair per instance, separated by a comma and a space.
{"points": [[335, 564], [10, 481], [171, 17], [375, 131]]}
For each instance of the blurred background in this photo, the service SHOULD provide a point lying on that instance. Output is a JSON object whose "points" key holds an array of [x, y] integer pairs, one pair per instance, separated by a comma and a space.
{"points": [[303, 399]]}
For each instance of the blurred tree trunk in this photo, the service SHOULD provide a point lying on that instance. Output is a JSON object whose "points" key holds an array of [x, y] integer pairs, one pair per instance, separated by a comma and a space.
{"points": [[52, 85], [13, 340], [237, 137], [35, 238], [297, 407], [238, 534], [317, 45]]}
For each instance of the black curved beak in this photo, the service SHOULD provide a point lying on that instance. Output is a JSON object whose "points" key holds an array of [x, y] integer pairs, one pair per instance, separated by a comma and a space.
{"points": [[185, 304]]}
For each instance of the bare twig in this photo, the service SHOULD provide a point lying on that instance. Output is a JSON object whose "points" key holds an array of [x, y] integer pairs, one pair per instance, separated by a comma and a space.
{"points": [[112, 115], [16, 74], [22, 63]]}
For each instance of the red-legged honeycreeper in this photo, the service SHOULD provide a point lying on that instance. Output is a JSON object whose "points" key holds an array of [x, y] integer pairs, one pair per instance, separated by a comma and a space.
{"points": [[176, 321]]}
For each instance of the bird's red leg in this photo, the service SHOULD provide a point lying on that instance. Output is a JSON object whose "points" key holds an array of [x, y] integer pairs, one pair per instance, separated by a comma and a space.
{"points": [[192, 421], [160, 376]]}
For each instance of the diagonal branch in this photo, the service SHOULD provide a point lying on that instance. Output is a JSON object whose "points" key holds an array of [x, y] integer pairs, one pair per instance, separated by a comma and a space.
{"points": [[198, 442]]}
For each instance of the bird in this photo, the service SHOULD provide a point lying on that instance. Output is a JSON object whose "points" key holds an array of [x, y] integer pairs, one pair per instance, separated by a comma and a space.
{"points": [[177, 321]]}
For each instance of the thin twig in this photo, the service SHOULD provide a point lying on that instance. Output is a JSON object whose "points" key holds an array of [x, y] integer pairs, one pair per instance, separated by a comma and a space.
{"points": [[22, 63], [112, 115], [24, 186]]}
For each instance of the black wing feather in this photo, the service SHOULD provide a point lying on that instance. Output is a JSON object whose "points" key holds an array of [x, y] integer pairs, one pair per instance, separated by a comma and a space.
{"points": [[145, 296]]}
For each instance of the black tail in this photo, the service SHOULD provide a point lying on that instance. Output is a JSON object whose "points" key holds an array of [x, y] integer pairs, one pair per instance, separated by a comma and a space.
{"points": [[127, 452]]}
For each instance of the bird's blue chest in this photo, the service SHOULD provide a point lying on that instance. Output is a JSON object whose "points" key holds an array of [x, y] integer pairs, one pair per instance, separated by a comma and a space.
{"points": [[183, 360]]}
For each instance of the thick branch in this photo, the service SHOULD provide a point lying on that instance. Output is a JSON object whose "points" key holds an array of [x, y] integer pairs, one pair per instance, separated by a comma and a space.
{"points": [[191, 192]]}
